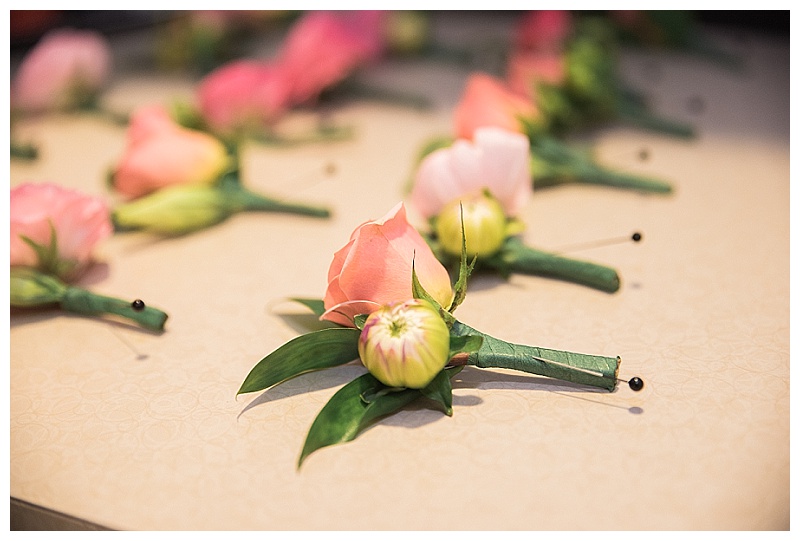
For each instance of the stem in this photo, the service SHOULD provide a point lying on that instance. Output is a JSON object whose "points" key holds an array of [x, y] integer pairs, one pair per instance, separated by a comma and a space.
{"points": [[84, 302], [593, 370], [605, 177], [636, 113], [24, 151], [322, 133], [516, 257], [248, 200]]}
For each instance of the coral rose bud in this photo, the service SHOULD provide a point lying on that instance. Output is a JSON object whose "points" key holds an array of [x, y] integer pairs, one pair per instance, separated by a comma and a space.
{"points": [[161, 153], [484, 225], [375, 269], [405, 344]]}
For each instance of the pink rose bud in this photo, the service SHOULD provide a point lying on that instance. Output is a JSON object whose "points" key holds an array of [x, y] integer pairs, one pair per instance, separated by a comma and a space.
{"points": [[65, 70], [486, 101], [374, 269], [496, 160], [405, 344], [51, 216], [323, 48], [545, 30], [161, 153], [244, 96]]}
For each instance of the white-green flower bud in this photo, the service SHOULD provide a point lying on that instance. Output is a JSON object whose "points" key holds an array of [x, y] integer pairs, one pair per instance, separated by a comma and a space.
{"points": [[485, 225], [29, 287], [405, 344], [173, 210]]}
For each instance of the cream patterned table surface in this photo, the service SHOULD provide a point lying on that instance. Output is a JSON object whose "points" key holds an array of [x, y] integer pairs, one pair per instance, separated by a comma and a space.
{"points": [[131, 430]]}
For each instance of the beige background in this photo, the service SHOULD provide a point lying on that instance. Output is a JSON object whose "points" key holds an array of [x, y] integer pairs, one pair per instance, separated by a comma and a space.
{"points": [[132, 430]]}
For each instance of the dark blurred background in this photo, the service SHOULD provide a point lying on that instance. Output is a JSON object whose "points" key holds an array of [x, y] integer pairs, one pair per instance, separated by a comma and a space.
{"points": [[27, 26]]}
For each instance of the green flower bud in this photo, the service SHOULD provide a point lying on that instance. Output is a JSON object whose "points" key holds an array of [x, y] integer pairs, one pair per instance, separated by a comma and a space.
{"points": [[30, 287], [174, 210], [405, 344], [407, 32], [485, 225]]}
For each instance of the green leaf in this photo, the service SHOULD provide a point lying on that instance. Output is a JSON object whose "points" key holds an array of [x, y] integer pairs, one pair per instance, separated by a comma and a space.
{"points": [[346, 414], [464, 271], [317, 306], [420, 293], [308, 352], [440, 389], [360, 320], [465, 344], [593, 370]]}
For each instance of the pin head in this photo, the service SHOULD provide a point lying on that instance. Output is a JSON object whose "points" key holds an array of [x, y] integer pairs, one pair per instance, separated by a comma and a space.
{"points": [[636, 237], [636, 383], [138, 305]]}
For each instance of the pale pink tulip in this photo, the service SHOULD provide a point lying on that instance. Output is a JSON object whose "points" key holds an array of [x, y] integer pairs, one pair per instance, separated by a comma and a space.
{"points": [[495, 160], [161, 153], [78, 221], [65, 69], [374, 269]]}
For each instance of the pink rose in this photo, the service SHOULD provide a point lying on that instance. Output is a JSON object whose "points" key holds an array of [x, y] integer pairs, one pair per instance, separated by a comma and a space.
{"points": [[496, 160], [374, 269], [544, 31], [487, 101], [161, 153], [323, 48], [79, 222], [244, 94], [527, 69], [66, 69]]}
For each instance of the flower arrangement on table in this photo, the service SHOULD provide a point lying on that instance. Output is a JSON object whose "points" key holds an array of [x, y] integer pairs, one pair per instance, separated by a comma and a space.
{"points": [[54, 231], [560, 77], [320, 55], [66, 71], [478, 187], [179, 180], [567, 66], [392, 302]]}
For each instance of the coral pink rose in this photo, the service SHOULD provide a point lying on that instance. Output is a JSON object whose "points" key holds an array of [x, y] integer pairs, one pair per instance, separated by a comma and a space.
{"points": [[527, 69], [79, 222], [544, 31], [323, 48], [374, 269], [487, 101], [161, 153], [244, 95], [66, 69], [496, 160]]}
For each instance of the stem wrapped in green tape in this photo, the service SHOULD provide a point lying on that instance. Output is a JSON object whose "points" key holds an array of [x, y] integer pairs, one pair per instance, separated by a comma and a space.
{"points": [[593, 370], [32, 288], [515, 257]]}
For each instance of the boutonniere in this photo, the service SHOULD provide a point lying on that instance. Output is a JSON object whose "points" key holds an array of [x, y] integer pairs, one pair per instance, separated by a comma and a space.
{"points": [[392, 304]]}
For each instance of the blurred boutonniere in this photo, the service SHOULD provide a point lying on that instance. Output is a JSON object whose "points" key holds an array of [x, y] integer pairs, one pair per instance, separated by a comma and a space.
{"points": [[177, 180], [54, 231]]}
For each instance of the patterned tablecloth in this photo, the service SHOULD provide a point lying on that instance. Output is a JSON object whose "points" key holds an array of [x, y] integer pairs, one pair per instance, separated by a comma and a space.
{"points": [[127, 429]]}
